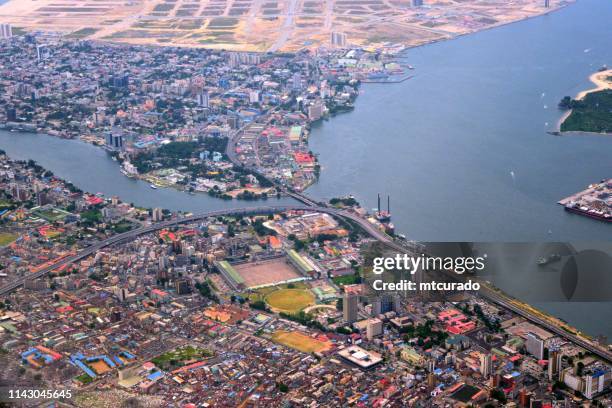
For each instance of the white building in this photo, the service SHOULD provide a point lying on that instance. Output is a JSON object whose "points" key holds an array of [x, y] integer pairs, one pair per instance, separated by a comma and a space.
{"points": [[374, 328], [486, 365], [6, 31], [338, 39], [158, 214], [535, 345]]}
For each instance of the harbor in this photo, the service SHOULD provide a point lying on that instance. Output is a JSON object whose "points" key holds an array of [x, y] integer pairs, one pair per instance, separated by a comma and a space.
{"points": [[594, 202]]}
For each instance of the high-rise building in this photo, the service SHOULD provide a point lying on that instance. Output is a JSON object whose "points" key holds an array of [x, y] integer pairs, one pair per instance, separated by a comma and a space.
{"points": [[233, 122], [162, 275], [6, 31], [182, 287], [42, 198], [547, 3], [162, 262], [315, 111], [535, 345], [114, 139], [234, 59], [338, 39], [385, 303], [121, 293], [486, 365], [11, 114], [119, 80], [157, 214], [431, 380], [203, 99], [297, 81], [374, 328], [18, 193], [42, 52], [350, 307], [554, 364], [397, 302], [524, 398], [376, 306]]}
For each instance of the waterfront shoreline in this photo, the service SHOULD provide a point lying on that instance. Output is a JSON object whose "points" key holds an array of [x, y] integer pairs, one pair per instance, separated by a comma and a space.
{"points": [[92, 138], [499, 293], [601, 85]]}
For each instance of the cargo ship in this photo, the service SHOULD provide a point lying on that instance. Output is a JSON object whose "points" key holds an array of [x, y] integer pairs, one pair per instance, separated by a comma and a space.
{"points": [[550, 259], [576, 208]]}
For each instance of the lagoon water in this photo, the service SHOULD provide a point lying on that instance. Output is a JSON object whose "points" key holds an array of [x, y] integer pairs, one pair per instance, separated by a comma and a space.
{"points": [[91, 169], [461, 148]]}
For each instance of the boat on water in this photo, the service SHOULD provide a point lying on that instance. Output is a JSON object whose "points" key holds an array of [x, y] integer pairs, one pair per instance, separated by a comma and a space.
{"points": [[549, 259], [153, 186], [600, 215]]}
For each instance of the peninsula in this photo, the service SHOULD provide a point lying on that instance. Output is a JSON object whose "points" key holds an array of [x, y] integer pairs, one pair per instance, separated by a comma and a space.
{"points": [[591, 110]]}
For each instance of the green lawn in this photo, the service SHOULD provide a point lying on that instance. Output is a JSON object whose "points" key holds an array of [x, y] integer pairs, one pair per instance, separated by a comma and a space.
{"points": [[6, 204], [84, 378], [290, 300], [346, 280], [6, 238], [260, 294], [50, 214], [176, 358]]}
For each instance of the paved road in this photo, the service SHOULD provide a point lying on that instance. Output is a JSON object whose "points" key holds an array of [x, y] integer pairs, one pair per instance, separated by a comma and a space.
{"points": [[506, 302], [369, 228], [230, 151], [503, 301]]}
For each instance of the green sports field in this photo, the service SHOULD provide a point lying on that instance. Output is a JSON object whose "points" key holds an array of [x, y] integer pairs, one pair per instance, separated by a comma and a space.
{"points": [[6, 238], [290, 300]]}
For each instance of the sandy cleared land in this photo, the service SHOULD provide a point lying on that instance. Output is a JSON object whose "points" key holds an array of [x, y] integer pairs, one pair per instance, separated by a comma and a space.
{"points": [[300, 342], [268, 25], [99, 366], [601, 79], [266, 272]]}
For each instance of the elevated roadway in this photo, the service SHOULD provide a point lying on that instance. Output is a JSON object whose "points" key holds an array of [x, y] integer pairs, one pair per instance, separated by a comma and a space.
{"points": [[369, 228]]}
